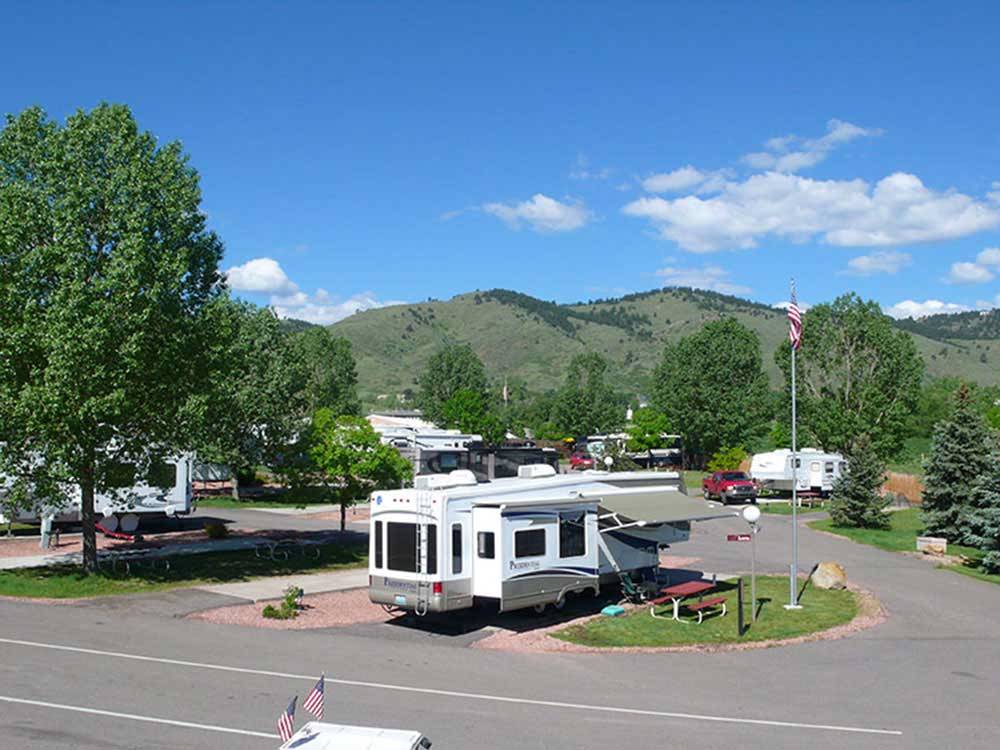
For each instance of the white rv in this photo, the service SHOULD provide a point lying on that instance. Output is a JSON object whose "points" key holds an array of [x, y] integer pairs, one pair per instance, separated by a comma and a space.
{"points": [[815, 471], [166, 491], [316, 735], [521, 542]]}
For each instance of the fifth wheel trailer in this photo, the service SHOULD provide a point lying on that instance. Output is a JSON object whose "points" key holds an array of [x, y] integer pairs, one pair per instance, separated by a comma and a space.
{"points": [[528, 541], [167, 490]]}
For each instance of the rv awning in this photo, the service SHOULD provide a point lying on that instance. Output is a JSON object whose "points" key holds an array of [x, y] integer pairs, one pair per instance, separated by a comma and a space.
{"points": [[655, 505]]}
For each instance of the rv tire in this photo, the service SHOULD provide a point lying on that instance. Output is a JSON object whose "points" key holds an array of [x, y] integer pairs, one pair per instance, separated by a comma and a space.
{"points": [[559, 603], [539, 609]]}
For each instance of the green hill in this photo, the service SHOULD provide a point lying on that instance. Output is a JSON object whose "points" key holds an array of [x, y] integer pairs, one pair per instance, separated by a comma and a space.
{"points": [[530, 341]]}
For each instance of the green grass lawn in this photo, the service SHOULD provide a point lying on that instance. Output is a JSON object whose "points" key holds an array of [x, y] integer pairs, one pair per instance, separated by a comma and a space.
{"points": [[69, 582], [19, 529], [820, 610], [901, 536], [226, 501], [785, 508]]}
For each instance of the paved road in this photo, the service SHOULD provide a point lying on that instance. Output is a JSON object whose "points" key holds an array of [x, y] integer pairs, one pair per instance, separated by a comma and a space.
{"points": [[931, 672]]}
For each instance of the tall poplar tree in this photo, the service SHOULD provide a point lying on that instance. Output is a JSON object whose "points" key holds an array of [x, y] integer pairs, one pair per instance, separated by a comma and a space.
{"points": [[106, 267]]}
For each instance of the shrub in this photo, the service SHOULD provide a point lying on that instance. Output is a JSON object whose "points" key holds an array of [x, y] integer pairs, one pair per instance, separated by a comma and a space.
{"points": [[216, 530], [289, 608]]}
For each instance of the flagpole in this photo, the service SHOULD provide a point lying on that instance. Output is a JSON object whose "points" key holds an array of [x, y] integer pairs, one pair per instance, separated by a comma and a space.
{"points": [[794, 567]]}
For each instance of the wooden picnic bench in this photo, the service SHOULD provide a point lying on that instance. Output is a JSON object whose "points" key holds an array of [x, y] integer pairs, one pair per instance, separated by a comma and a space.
{"points": [[678, 593]]}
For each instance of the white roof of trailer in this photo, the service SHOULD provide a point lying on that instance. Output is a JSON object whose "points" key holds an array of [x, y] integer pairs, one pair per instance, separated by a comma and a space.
{"points": [[317, 735]]}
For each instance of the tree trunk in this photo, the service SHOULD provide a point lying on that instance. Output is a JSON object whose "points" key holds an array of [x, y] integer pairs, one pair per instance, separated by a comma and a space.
{"points": [[343, 516], [236, 485], [87, 518]]}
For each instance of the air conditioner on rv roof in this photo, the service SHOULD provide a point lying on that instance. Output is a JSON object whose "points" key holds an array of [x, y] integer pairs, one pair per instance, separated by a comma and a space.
{"points": [[535, 471]]}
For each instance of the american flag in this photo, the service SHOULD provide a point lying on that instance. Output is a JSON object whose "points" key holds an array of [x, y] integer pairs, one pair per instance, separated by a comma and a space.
{"points": [[286, 722], [794, 322], [314, 701]]}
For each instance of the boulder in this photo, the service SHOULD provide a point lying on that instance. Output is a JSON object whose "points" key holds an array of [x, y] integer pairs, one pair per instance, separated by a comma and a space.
{"points": [[829, 575], [932, 545]]}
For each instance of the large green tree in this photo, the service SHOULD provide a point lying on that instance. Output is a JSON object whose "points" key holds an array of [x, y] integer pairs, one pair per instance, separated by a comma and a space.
{"points": [[329, 372], [349, 461], [960, 455], [450, 370], [982, 520], [647, 428], [250, 404], [856, 375], [587, 404], [472, 413], [856, 499], [106, 268], [712, 386]]}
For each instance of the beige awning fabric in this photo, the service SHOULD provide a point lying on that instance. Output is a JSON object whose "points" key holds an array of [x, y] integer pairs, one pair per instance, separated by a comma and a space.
{"points": [[656, 505]]}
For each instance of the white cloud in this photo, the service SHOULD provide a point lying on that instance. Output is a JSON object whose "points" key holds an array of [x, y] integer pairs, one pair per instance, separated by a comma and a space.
{"points": [[989, 257], [266, 276], [714, 278], [898, 209], [994, 194], [803, 306], [541, 213], [791, 153], [912, 309], [260, 275], [671, 182], [582, 170], [985, 268], [985, 304], [969, 273], [320, 308], [882, 261]]}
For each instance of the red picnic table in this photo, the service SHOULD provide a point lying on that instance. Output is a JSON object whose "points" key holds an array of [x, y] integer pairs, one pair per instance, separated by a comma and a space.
{"points": [[681, 591]]}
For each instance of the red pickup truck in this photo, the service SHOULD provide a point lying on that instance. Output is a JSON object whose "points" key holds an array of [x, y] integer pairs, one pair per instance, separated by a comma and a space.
{"points": [[729, 486]]}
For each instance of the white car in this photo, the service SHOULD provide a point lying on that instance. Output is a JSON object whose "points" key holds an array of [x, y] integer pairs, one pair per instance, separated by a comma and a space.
{"points": [[319, 736]]}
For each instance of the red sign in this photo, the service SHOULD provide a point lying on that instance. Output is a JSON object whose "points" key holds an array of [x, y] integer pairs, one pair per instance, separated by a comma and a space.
{"points": [[737, 537]]}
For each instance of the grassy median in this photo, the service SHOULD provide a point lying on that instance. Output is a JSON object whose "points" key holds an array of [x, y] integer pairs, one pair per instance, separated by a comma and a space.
{"points": [[69, 581], [821, 610], [901, 536]]}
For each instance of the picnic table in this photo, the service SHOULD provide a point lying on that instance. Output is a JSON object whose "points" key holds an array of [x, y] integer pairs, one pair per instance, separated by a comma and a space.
{"points": [[681, 591]]}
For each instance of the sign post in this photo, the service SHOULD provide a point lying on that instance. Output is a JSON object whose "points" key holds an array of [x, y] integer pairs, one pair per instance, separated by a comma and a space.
{"points": [[751, 514]]}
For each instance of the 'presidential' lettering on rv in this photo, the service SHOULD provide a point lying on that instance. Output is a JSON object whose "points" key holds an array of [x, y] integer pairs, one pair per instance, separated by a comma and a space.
{"points": [[531, 565]]}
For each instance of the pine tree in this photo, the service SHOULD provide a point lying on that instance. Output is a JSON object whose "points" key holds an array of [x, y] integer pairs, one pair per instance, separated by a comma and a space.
{"points": [[982, 518], [856, 500], [960, 454]]}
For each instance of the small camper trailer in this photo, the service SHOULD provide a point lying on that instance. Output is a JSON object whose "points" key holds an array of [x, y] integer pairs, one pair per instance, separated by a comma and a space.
{"points": [[317, 735], [526, 541], [814, 473], [167, 490]]}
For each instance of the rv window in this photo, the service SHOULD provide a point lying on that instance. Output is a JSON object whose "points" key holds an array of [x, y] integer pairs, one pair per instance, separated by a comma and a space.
{"points": [[798, 463], [401, 539], [456, 548], [404, 549], [486, 544], [572, 534], [161, 474], [378, 544], [120, 475], [529, 543], [432, 549], [829, 467]]}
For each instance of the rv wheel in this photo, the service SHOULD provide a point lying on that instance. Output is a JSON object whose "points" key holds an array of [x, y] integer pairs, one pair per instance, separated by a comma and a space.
{"points": [[539, 609], [560, 603]]}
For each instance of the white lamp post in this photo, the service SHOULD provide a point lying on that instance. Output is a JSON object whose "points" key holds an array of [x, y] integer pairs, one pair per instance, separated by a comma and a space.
{"points": [[751, 514]]}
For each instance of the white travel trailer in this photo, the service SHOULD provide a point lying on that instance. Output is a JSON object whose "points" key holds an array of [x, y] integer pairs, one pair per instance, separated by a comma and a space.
{"points": [[815, 473], [525, 541], [317, 735], [166, 491]]}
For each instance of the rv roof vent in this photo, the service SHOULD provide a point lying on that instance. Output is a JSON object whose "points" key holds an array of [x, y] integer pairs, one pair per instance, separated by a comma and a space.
{"points": [[535, 471], [457, 478]]}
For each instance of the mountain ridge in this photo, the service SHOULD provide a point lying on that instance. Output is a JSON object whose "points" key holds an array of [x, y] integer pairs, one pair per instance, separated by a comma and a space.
{"points": [[529, 341]]}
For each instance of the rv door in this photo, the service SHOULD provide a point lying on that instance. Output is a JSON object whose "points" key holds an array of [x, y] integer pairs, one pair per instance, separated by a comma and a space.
{"points": [[487, 548]]}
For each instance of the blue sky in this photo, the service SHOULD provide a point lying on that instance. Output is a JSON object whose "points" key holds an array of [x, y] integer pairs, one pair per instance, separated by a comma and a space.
{"points": [[356, 154]]}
